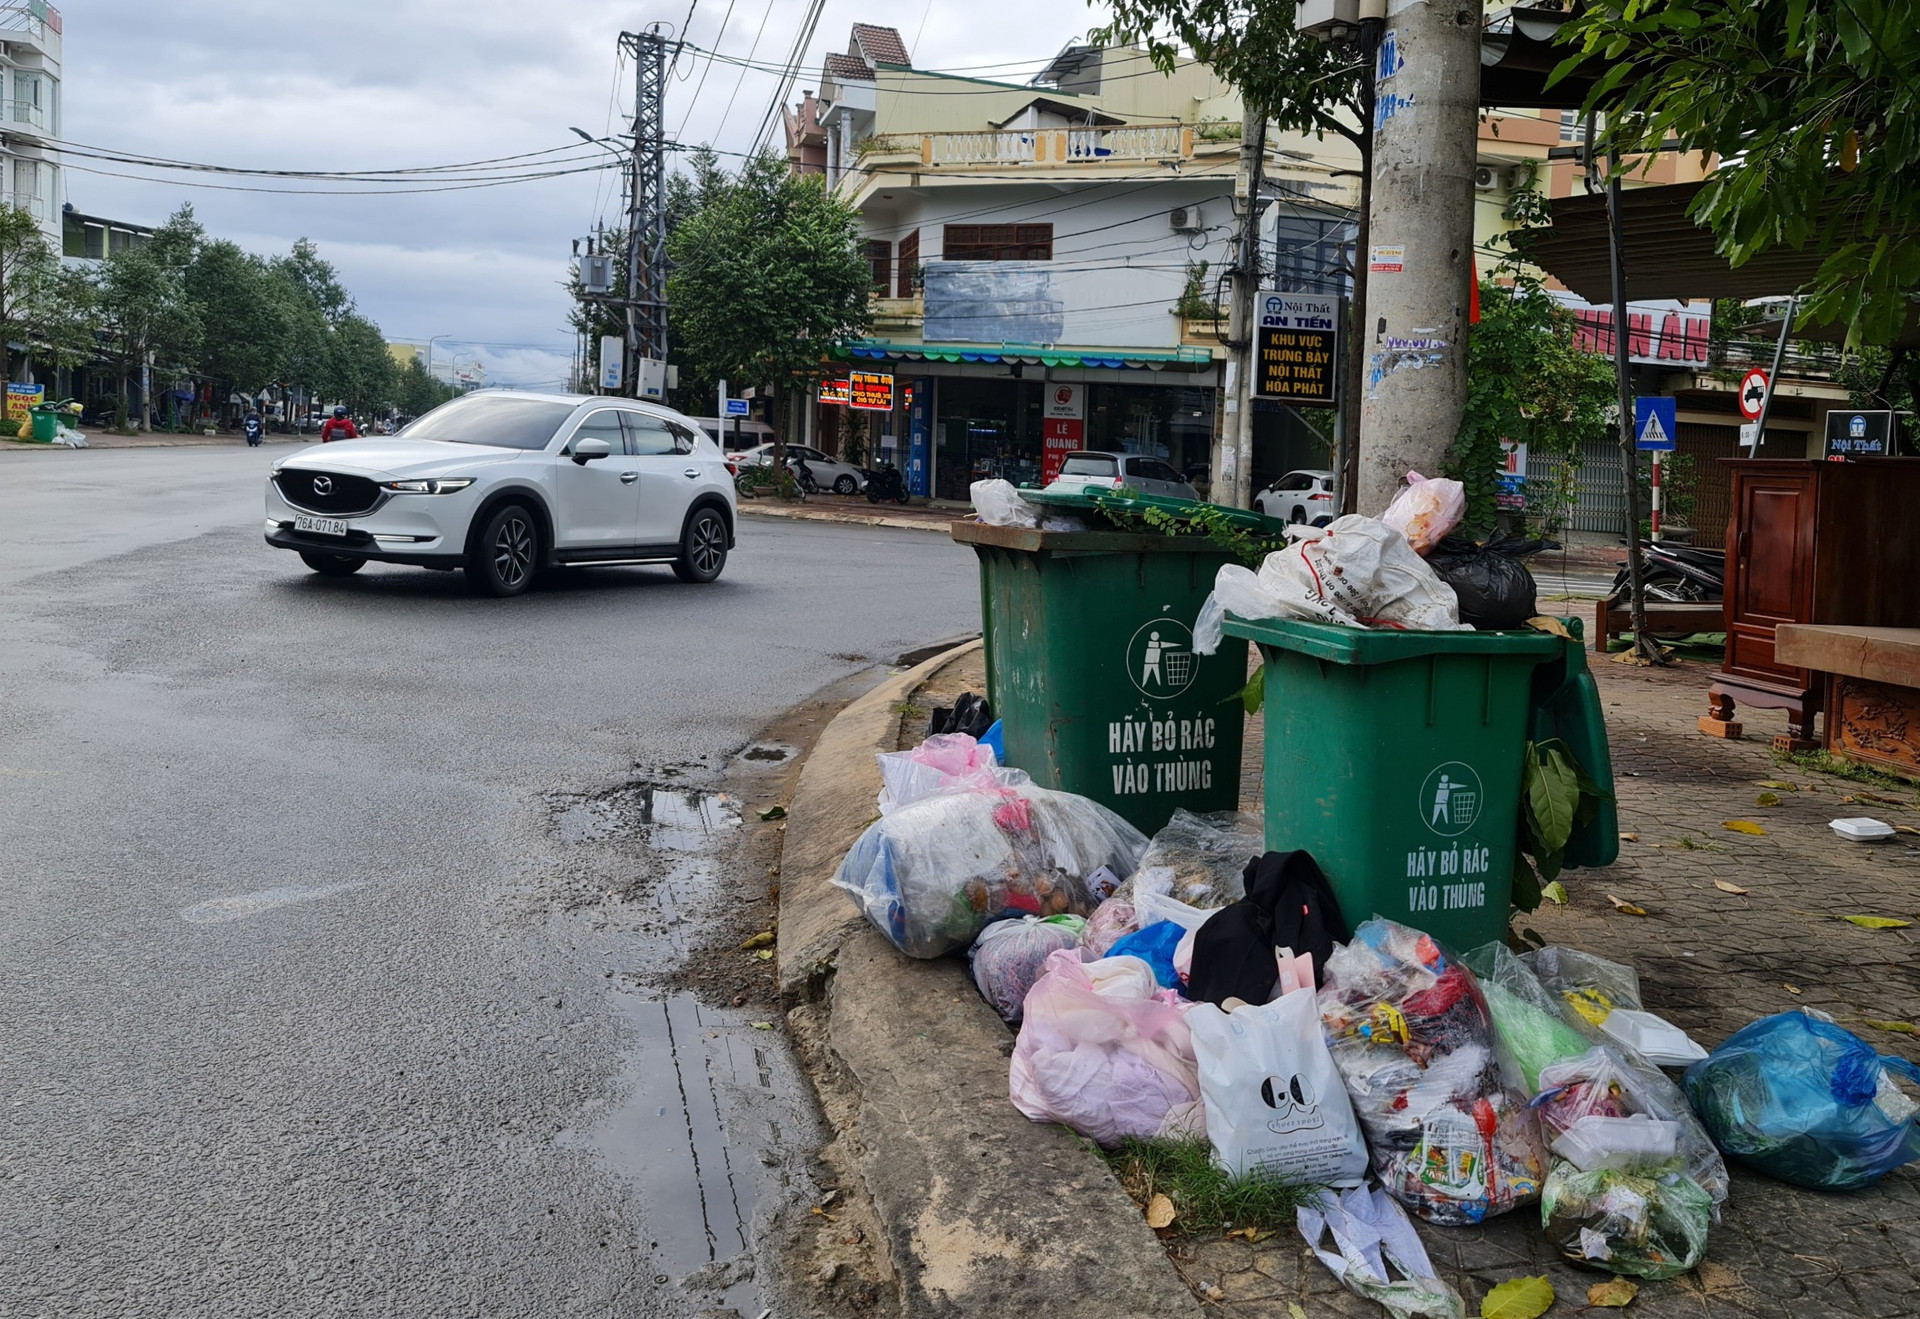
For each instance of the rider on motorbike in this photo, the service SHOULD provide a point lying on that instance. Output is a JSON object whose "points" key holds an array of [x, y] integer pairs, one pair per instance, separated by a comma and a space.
{"points": [[254, 428], [338, 427]]}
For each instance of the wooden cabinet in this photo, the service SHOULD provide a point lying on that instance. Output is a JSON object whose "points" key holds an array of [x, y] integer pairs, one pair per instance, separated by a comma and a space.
{"points": [[1811, 542]]}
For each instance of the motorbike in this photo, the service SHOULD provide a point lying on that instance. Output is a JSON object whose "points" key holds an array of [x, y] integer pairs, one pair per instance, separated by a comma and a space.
{"points": [[885, 482], [1677, 573]]}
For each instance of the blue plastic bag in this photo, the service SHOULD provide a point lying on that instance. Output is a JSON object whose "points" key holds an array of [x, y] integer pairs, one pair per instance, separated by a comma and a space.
{"points": [[1154, 946], [1796, 1097]]}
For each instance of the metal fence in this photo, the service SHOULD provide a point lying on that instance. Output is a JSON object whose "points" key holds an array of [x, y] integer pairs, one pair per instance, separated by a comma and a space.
{"points": [[1599, 488]]}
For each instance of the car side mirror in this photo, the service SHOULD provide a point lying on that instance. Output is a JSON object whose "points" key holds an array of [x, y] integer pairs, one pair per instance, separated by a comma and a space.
{"points": [[585, 451]]}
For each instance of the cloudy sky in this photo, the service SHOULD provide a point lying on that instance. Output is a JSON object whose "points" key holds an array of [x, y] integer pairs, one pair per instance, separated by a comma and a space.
{"points": [[391, 84]]}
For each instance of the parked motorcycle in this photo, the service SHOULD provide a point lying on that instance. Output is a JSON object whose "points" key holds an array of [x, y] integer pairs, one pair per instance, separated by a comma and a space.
{"points": [[1677, 573], [885, 482]]}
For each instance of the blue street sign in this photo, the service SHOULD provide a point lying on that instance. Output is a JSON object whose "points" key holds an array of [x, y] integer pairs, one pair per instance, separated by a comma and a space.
{"points": [[1655, 422], [736, 407]]}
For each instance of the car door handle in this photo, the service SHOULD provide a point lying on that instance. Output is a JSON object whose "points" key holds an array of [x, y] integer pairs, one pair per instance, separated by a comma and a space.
{"points": [[628, 478], [691, 472]]}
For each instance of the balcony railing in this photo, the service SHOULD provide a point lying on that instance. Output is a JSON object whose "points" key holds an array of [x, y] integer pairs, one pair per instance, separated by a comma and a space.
{"points": [[26, 112], [36, 206], [1057, 146], [35, 17]]}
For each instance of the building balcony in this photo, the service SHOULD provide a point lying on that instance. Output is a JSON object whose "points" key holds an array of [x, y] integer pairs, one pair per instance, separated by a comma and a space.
{"points": [[897, 317], [38, 207], [1045, 147], [31, 23], [26, 114]]}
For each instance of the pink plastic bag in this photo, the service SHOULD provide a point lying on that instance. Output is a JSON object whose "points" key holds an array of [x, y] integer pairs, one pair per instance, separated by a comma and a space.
{"points": [[1105, 1053], [1426, 511]]}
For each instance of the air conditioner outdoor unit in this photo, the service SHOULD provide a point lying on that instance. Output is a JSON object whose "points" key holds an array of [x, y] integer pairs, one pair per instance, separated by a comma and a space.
{"points": [[1486, 178], [1184, 219]]}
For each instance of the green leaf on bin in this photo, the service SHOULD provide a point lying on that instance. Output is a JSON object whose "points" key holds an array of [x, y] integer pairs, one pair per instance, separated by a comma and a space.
{"points": [[1254, 694], [1553, 795], [1518, 1298], [1526, 887], [1556, 893]]}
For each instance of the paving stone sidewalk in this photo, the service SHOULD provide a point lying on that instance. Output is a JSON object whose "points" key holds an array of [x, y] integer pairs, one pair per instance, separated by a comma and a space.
{"points": [[1711, 961]]}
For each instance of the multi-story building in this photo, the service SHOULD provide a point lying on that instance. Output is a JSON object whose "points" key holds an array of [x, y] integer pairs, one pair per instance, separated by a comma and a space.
{"points": [[30, 37], [1048, 256]]}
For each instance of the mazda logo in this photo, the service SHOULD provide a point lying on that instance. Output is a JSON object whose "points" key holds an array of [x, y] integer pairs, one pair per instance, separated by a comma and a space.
{"points": [[323, 485]]}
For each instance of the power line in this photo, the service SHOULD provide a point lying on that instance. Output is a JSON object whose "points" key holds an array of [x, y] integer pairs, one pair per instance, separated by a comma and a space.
{"points": [[341, 192], [373, 175], [741, 80], [809, 24]]}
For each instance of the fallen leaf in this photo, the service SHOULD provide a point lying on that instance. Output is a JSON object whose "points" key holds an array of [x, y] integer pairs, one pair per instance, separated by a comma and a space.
{"points": [[1905, 829], [1159, 1212], [1212, 1292], [1767, 799], [1780, 785], [1791, 989], [1897, 1027], [1294, 1311], [1627, 907], [773, 813], [1546, 624], [1253, 1236], [764, 955], [1629, 838], [824, 1214], [1864, 795], [1518, 1298], [762, 1025], [1556, 893], [1742, 826], [1726, 887], [1876, 922], [760, 940], [1614, 1294]]}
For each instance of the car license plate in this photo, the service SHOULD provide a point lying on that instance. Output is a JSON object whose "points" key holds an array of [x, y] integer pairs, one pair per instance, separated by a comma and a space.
{"points": [[321, 526]]}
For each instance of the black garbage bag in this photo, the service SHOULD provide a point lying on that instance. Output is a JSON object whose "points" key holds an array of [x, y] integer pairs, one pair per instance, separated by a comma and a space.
{"points": [[1289, 904], [1496, 591], [969, 714]]}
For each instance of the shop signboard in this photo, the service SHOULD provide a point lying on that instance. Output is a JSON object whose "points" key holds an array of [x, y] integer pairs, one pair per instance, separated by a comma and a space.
{"points": [[1859, 434], [870, 391], [21, 398], [834, 391], [919, 471], [1510, 482], [1296, 347], [1063, 422]]}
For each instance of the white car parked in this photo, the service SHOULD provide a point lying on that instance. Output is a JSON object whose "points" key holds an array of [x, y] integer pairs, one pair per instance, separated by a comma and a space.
{"points": [[1091, 469], [504, 484], [828, 473], [1303, 496]]}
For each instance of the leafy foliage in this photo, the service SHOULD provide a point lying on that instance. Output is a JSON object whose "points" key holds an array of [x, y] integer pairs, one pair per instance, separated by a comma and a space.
{"points": [[1814, 110], [1555, 796], [766, 276]]}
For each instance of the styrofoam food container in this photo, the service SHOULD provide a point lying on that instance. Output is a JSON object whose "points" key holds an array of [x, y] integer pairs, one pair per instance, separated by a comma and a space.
{"points": [[1861, 829]]}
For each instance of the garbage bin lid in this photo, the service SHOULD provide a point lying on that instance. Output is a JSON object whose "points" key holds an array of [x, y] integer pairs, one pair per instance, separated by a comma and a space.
{"points": [[1363, 645]]}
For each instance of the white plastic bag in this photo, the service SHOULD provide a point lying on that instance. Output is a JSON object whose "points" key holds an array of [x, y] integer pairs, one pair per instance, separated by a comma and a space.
{"points": [[1355, 571], [945, 762], [1106, 1051], [1371, 1232], [1275, 1104], [1000, 505], [1425, 511]]}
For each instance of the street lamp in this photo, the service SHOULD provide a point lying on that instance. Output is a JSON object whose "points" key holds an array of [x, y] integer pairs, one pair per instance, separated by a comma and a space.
{"points": [[430, 344]]}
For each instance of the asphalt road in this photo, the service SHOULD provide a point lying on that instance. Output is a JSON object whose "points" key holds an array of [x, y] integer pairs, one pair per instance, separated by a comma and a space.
{"points": [[296, 1017]]}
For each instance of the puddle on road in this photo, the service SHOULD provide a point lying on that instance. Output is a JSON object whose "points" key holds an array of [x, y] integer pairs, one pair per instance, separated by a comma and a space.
{"points": [[241, 905], [705, 1103]]}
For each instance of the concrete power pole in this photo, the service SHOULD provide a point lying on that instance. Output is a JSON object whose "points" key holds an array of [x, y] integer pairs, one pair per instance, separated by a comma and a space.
{"points": [[1233, 468], [1420, 268]]}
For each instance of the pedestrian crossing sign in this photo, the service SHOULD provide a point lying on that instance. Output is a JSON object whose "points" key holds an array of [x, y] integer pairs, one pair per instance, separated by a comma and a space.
{"points": [[1654, 423]]}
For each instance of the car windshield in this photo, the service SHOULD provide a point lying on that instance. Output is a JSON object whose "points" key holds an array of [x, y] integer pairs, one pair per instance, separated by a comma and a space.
{"points": [[499, 420], [1088, 464]]}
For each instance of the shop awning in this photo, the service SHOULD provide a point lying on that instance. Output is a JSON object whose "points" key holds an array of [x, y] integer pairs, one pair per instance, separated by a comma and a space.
{"points": [[1024, 354], [1518, 54], [1667, 255]]}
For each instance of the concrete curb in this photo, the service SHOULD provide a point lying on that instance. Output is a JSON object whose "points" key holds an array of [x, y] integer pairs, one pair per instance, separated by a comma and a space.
{"points": [[981, 1213], [759, 509]]}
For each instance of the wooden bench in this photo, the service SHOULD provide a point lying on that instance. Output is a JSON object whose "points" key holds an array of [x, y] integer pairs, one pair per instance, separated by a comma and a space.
{"points": [[1613, 617], [1872, 685]]}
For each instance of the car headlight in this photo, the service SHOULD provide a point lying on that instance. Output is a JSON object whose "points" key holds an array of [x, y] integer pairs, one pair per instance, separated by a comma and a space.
{"points": [[436, 486]]}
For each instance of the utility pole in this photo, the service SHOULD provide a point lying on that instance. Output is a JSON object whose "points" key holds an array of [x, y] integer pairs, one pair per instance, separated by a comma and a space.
{"points": [[1233, 468], [646, 300], [1420, 266]]}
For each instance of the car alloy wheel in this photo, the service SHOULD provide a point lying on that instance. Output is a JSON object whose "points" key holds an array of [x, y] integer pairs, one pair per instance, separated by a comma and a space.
{"points": [[513, 549], [703, 551], [846, 485]]}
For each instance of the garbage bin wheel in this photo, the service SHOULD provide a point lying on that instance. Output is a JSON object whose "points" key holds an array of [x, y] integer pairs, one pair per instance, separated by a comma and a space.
{"points": [[332, 565]]}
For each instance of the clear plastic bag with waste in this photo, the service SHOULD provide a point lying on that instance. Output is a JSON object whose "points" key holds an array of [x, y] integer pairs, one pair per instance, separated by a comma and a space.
{"points": [[1208, 855], [1588, 988], [1799, 1098], [945, 762], [999, 504], [1638, 1222], [1006, 959], [1426, 510], [1452, 1137], [1106, 1051], [1356, 571], [1595, 1091], [932, 875]]}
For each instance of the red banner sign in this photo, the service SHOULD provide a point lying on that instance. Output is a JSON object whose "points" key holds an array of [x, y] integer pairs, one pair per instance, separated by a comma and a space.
{"points": [[870, 390]]}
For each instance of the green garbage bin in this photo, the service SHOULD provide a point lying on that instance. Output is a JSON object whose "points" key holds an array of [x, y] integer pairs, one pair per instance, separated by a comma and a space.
{"points": [[46, 424], [1396, 759], [1092, 671]]}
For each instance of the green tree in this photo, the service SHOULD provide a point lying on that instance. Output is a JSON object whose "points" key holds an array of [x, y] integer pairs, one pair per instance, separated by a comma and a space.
{"points": [[415, 392], [244, 313], [317, 278], [145, 310], [360, 371], [1814, 111], [43, 304], [766, 278]]}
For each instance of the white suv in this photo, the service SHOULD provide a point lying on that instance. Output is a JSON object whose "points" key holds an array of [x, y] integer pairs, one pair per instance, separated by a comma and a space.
{"points": [[504, 484]]}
